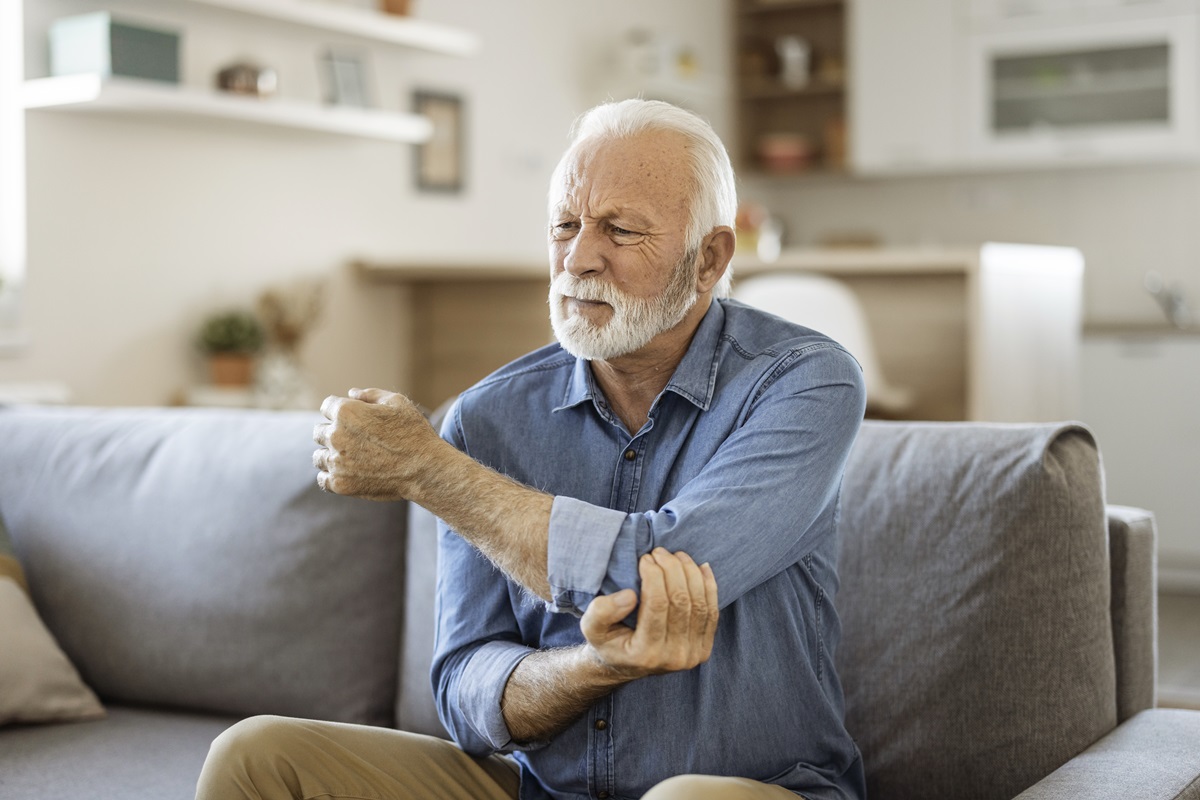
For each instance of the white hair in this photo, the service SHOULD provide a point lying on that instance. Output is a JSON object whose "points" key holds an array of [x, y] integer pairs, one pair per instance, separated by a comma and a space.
{"points": [[714, 193]]}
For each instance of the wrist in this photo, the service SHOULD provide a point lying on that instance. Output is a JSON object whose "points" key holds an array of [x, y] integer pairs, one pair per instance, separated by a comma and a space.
{"points": [[603, 672], [437, 468]]}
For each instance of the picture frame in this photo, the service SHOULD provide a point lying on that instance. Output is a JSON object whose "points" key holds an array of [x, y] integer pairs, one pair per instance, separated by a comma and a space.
{"points": [[439, 163], [344, 74]]}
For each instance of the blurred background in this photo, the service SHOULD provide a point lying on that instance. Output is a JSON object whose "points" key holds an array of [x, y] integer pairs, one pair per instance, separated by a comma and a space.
{"points": [[353, 193]]}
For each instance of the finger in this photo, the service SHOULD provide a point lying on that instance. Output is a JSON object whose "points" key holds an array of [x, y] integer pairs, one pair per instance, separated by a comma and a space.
{"points": [[371, 395], [714, 608], [678, 597], [321, 433], [704, 644], [699, 600], [695, 578], [652, 611], [331, 405], [606, 612], [323, 481], [319, 458]]}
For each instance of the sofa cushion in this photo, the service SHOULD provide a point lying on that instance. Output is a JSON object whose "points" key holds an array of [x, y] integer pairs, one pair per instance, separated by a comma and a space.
{"points": [[134, 754], [39, 682], [977, 653], [186, 557]]}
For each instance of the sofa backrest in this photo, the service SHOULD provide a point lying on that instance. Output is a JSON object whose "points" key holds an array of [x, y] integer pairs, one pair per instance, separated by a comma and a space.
{"points": [[977, 649], [186, 557]]}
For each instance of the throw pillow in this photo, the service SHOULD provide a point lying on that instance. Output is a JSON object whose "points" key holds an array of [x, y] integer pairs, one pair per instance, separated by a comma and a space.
{"points": [[38, 683]]}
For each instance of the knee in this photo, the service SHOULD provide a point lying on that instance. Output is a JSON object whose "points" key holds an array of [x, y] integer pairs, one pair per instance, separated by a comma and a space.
{"points": [[689, 787], [250, 738], [229, 770]]}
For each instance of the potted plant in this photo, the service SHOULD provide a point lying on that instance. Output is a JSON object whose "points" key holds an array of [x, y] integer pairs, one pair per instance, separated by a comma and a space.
{"points": [[231, 339]]}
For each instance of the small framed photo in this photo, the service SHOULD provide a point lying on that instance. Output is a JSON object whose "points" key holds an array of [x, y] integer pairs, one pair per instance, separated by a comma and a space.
{"points": [[345, 77], [439, 162]]}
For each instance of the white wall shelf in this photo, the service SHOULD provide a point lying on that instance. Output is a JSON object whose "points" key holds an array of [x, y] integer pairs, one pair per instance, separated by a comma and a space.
{"points": [[93, 93], [374, 26]]}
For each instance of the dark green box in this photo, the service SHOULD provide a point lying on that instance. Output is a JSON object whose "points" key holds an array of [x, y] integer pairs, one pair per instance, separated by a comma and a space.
{"points": [[99, 44]]}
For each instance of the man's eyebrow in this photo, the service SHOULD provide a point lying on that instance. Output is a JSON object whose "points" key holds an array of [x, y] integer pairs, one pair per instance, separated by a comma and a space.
{"points": [[631, 215], [625, 213]]}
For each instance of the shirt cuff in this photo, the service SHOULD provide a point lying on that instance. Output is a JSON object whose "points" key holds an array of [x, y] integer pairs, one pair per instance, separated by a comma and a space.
{"points": [[579, 551], [481, 687]]}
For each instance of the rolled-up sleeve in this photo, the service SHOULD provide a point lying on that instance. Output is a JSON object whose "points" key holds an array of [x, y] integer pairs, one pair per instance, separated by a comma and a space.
{"points": [[481, 683], [477, 647], [580, 552]]}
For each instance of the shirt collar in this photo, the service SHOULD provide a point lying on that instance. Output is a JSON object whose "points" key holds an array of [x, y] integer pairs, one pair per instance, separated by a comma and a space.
{"points": [[694, 379]]}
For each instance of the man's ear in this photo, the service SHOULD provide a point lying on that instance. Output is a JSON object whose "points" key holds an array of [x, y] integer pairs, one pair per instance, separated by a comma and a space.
{"points": [[716, 251]]}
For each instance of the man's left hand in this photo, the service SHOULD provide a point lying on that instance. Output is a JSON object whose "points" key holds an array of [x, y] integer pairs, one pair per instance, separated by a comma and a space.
{"points": [[676, 621], [374, 445]]}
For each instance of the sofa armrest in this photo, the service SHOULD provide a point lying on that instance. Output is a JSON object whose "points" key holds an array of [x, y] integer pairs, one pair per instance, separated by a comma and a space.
{"points": [[1131, 537], [1155, 755]]}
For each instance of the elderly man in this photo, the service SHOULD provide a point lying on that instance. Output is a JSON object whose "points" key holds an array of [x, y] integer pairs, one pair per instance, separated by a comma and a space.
{"points": [[594, 494]]}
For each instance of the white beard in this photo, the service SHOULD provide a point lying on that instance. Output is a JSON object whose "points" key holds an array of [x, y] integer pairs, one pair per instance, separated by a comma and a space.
{"points": [[634, 321]]}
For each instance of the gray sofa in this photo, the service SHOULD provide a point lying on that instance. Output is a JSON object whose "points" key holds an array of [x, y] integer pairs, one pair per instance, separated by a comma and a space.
{"points": [[998, 625]]}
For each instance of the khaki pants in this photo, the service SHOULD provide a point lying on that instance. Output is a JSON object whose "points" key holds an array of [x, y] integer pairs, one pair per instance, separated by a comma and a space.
{"points": [[277, 758]]}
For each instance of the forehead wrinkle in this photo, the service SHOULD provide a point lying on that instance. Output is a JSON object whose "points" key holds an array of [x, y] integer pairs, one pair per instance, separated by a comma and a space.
{"points": [[603, 177]]}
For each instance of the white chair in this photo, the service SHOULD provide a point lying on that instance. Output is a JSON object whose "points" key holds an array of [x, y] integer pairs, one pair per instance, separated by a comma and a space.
{"points": [[827, 305]]}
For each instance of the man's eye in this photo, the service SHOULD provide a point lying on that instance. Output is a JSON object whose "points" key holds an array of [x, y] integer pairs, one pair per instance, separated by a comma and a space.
{"points": [[619, 231], [561, 228]]}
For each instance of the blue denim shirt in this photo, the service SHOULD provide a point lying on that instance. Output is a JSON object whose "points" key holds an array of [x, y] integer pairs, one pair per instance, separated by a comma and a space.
{"points": [[740, 465]]}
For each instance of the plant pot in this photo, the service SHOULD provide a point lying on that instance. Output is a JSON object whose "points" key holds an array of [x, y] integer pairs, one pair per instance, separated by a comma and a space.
{"points": [[398, 7], [231, 369]]}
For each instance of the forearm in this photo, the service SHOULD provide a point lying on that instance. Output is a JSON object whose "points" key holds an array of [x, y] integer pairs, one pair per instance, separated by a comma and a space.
{"points": [[378, 445], [676, 623], [508, 522], [550, 689]]}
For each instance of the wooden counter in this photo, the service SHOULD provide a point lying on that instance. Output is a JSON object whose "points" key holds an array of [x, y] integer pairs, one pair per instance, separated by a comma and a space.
{"points": [[987, 334]]}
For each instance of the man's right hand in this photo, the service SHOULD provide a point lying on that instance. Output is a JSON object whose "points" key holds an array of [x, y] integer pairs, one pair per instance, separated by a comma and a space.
{"points": [[676, 621]]}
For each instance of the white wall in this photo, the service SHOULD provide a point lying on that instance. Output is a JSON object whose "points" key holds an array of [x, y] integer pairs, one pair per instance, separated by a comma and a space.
{"points": [[137, 228]]}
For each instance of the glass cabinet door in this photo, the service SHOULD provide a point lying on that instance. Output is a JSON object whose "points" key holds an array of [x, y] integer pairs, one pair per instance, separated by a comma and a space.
{"points": [[1113, 92], [1101, 87]]}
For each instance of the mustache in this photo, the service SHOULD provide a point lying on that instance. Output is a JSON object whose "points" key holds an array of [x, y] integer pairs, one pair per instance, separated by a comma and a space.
{"points": [[593, 290]]}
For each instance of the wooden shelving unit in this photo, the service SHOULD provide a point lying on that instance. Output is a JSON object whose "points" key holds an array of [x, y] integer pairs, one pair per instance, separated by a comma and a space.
{"points": [[791, 128]]}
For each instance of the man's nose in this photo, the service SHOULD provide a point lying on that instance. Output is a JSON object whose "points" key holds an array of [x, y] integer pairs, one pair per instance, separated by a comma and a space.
{"points": [[585, 253]]}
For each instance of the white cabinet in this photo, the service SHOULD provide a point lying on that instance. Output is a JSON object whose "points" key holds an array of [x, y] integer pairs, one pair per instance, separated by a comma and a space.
{"points": [[905, 86], [1090, 92], [1140, 395], [952, 85]]}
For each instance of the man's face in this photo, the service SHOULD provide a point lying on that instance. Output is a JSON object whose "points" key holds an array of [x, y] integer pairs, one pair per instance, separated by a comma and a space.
{"points": [[620, 269]]}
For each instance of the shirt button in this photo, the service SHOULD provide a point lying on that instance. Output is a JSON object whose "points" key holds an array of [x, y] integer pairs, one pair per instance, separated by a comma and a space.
{"points": [[601, 724], [602, 795], [630, 455]]}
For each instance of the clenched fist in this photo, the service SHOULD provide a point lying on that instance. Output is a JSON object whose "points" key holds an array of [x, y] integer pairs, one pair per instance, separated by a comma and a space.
{"points": [[374, 446]]}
